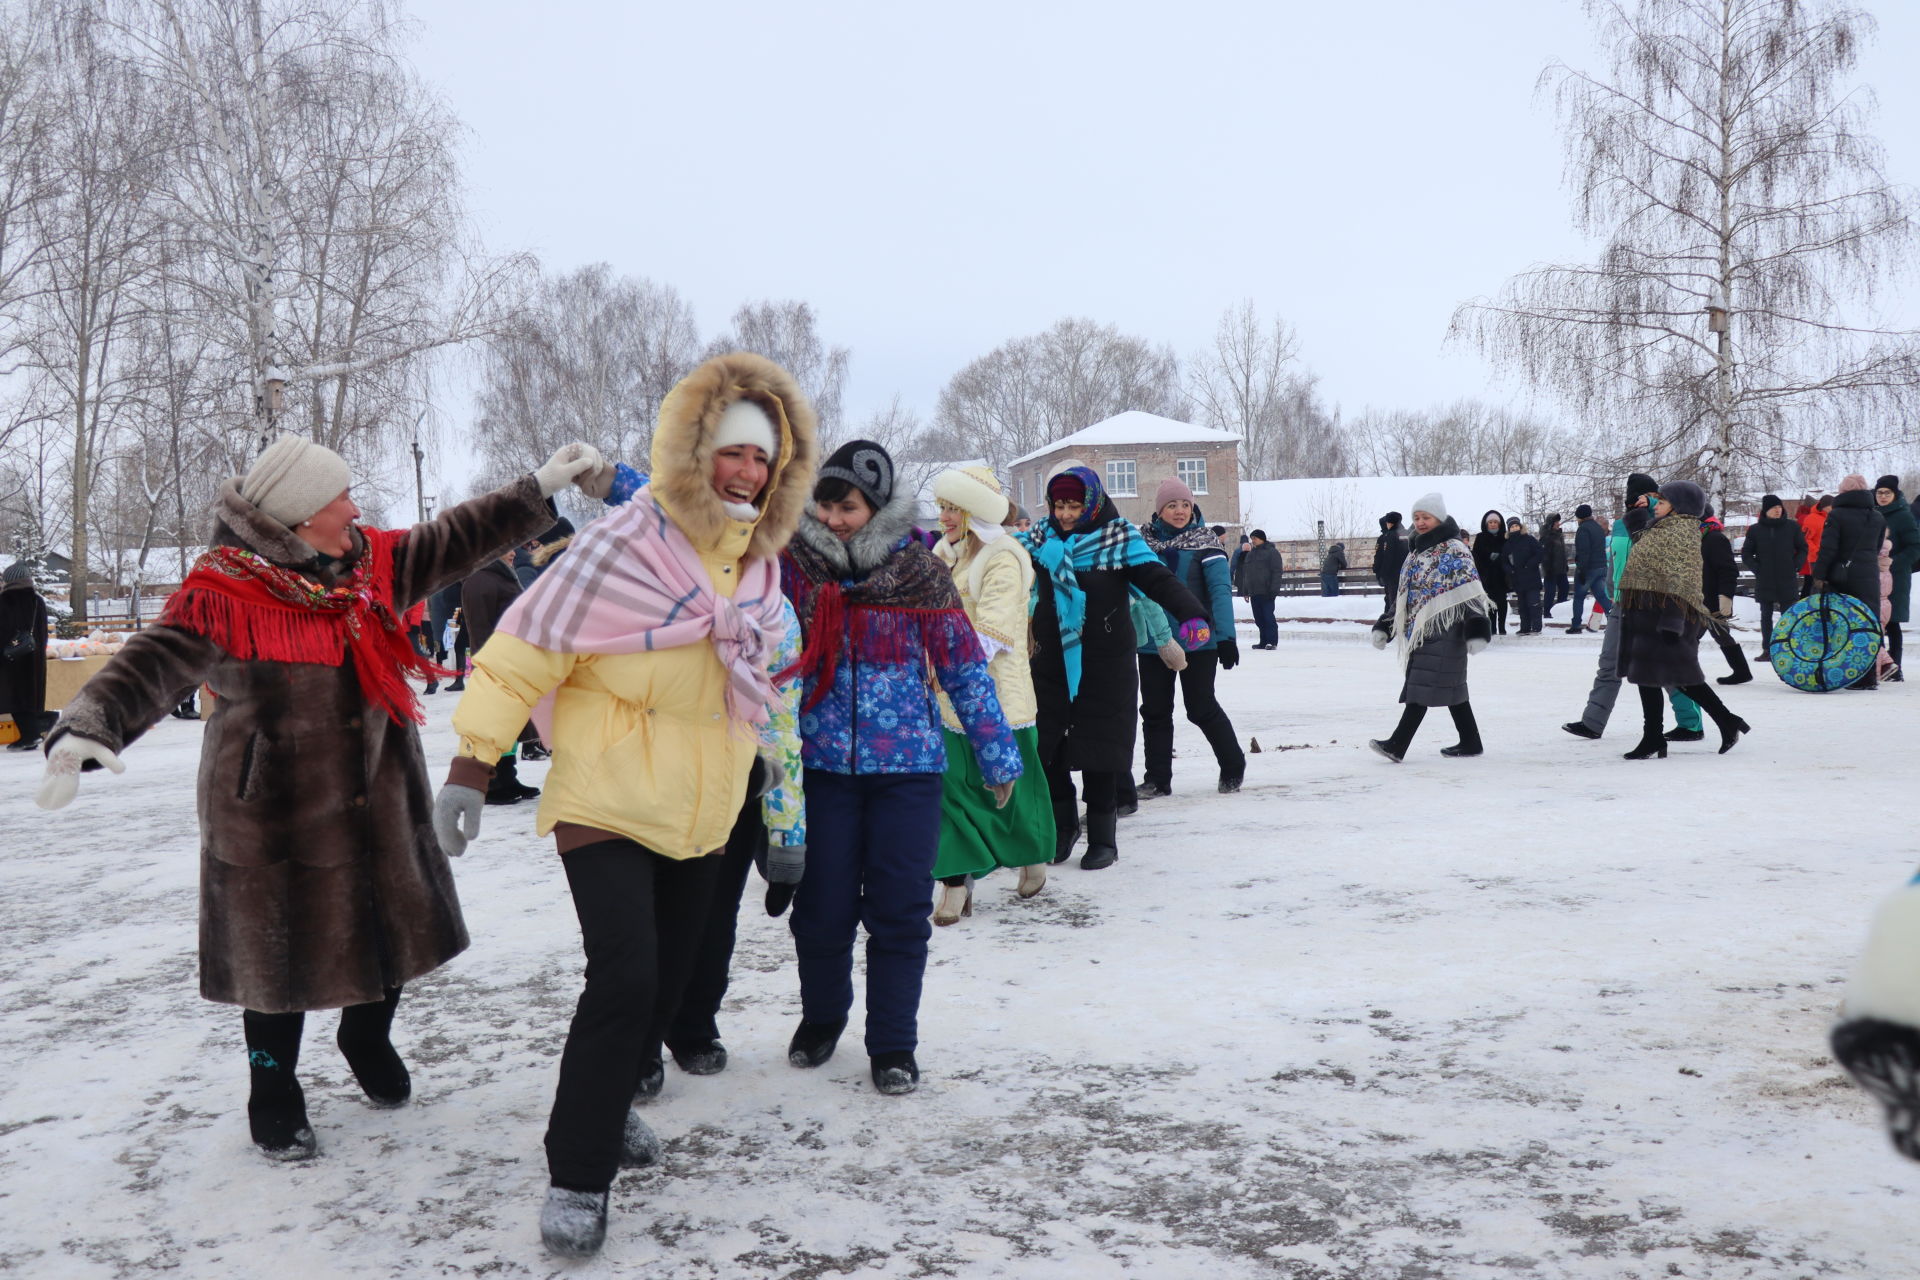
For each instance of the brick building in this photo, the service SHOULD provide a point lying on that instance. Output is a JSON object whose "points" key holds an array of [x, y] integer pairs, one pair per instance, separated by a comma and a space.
{"points": [[1132, 453]]}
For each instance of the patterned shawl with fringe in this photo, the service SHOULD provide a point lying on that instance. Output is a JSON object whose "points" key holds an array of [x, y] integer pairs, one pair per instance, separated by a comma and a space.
{"points": [[1438, 587]]}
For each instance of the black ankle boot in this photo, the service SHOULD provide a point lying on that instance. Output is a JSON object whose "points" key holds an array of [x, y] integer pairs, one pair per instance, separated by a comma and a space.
{"points": [[653, 1078], [276, 1107], [1066, 827], [700, 1057], [895, 1073], [1103, 841], [1652, 743], [813, 1042], [365, 1040]]}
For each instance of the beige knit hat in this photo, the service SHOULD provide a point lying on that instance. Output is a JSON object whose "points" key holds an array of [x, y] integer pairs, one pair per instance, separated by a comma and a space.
{"points": [[975, 491], [293, 478]]}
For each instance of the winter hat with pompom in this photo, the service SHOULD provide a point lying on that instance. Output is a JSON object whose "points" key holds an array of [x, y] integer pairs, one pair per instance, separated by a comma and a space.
{"points": [[293, 478]]}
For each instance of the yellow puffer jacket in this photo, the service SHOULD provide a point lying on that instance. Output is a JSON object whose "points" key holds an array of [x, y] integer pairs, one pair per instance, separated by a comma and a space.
{"points": [[642, 743], [995, 580]]}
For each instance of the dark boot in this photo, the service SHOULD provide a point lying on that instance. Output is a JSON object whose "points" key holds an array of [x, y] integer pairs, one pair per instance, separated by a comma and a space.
{"points": [[1103, 841], [1652, 742], [1066, 828], [1395, 747], [653, 1078], [459, 684], [506, 787], [813, 1042], [1884, 1059], [1468, 729], [700, 1057], [895, 1073], [365, 1040], [1126, 795], [276, 1108], [1736, 659], [1730, 725]]}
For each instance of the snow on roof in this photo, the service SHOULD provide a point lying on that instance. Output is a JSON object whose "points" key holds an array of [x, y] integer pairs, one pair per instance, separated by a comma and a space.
{"points": [[1135, 427], [1351, 506]]}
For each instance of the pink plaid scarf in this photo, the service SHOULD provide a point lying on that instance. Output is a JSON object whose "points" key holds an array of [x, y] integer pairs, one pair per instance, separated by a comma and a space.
{"points": [[631, 583]]}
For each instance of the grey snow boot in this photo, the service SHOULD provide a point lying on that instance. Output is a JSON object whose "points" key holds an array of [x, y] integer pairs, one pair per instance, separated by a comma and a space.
{"points": [[573, 1224], [639, 1145]]}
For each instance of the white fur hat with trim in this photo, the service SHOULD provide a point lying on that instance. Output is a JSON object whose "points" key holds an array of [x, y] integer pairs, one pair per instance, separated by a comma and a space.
{"points": [[975, 491]]}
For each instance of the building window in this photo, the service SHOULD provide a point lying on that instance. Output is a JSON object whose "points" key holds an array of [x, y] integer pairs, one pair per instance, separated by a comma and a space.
{"points": [[1121, 481], [1192, 472]]}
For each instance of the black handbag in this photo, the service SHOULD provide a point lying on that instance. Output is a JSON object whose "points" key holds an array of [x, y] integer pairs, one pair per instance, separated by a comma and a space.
{"points": [[21, 646]]}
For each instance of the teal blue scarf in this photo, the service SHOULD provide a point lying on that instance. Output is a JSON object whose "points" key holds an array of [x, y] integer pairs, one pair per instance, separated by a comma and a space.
{"points": [[1114, 545]]}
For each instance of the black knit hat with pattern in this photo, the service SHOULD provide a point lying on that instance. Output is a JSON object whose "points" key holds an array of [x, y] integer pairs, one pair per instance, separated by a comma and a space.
{"points": [[866, 466]]}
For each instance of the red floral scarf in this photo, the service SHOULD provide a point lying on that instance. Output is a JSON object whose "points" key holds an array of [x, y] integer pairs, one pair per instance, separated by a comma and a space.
{"points": [[258, 611]]}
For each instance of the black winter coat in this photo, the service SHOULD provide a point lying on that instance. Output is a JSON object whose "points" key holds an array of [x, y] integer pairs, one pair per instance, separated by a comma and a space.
{"points": [[1336, 558], [1589, 547], [1389, 553], [1719, 575], [1260, 570], [1775, 549], [23, 681], [1553, 540], [1849, 558], [1097, 724], [1490, 559], [483, 598], [1523, 556]]}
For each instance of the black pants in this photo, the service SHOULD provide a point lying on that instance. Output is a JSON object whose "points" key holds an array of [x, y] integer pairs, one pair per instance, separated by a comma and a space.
{"points": [[1100, 789], [696, 1024], [460, 649], [1766, 624], [1203, 711], [1413, 713], [1894, 642], [1530, 617], [1499, 612], [1558, 589], [1653, 704], [641, 918]]}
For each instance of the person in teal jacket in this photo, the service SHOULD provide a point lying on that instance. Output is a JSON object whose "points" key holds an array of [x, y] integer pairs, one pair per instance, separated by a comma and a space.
{"points": [[1178, 534]]}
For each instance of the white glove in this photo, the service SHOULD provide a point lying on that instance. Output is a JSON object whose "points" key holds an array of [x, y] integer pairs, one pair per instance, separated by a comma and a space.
{"points": [[64, 762], [569, 463], [1380, 639], [1476, 644], [456, 817], [1173, 655]]}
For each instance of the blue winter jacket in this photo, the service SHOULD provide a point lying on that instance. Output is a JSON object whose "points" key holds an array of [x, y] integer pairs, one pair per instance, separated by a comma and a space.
{"points": [[1589, 547], [1205, 571], [882, 717]]}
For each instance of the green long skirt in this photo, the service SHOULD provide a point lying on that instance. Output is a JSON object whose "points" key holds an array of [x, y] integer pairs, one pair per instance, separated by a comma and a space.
{"points": [[975, 837]]}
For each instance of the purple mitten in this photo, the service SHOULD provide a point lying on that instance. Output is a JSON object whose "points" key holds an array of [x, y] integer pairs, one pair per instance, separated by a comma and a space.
{"points": [[1195, 632]]}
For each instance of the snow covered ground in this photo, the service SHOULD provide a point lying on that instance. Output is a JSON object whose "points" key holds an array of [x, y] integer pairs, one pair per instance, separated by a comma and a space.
{"points": [[1547, 1013]]}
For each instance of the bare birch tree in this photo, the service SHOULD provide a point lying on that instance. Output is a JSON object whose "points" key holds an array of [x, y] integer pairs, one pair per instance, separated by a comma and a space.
{"points": [[1033, 390], [1724, 329], [26, 119], [1465, 438]]}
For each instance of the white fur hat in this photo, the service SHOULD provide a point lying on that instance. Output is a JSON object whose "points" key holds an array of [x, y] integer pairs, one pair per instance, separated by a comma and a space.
{"points": [[293, 478], [745, 422], [1433, 504], [975, 491]]}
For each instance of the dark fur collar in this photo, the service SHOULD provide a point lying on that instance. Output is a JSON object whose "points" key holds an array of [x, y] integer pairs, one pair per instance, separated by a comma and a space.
{"points": [[1436, 535], [869, 548]]}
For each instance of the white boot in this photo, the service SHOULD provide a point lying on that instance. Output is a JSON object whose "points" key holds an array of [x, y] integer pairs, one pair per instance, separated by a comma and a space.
{"points": [[1033, 879], [956, 900]]}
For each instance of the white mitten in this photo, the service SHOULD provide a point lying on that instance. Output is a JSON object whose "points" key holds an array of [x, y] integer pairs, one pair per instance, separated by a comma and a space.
{"points": [[1173, 655], [1379, 638], [1476, 644], [64, 762], [569, 463]]}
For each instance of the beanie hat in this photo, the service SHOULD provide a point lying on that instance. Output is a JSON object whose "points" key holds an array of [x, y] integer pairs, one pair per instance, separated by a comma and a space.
{"points": [[1583, 512], [1888, 482], [866, 466], [1170, 490], [745, 422], [1433, 504], [1260, 534], [1638, 483], [1852, 482], [976, 491], [1688, 498], [1768, 501], [1068, 487], [18, 571], [293, 478]]}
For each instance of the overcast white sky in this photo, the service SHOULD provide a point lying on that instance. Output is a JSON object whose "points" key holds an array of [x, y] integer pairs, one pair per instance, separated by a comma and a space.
{"points": [[938, 178]]}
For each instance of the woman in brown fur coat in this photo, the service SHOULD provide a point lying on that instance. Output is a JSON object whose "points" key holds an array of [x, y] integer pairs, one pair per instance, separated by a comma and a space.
{"points": [[321, 883]]}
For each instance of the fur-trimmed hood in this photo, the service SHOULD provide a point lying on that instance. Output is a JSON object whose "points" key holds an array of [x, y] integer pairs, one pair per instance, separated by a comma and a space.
{"points": [[683, 449], [869, 548]]}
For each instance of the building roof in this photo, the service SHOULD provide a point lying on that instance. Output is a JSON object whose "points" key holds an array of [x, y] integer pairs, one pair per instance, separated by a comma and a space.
{"points": [[1134, 427]]}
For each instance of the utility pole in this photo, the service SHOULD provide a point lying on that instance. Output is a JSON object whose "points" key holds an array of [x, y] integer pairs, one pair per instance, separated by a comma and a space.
{"points": [[419, 486]]}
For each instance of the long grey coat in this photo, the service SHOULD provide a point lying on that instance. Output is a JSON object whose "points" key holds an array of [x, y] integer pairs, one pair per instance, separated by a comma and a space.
{"points": [[321, 883], [1437, 670]]}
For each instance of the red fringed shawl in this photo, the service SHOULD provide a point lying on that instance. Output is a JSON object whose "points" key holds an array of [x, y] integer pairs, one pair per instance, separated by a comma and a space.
{"points": [[257, 611], [905, 611]]}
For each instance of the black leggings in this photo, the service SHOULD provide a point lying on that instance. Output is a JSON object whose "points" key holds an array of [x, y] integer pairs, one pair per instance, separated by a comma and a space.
{"points": [[1203, 711], [641, 917], [1893, 642], [1100, 789]]}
